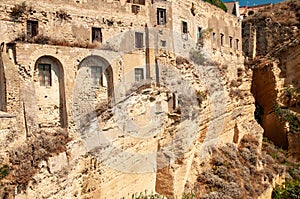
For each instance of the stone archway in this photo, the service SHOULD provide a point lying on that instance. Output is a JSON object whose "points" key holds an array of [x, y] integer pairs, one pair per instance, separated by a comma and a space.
{"points": [[96, 74], [50, 92]]}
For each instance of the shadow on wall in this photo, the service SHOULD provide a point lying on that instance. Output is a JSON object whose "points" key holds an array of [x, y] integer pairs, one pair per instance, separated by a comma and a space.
{"points": [[2, 82], [263, 90], [50, 92]]}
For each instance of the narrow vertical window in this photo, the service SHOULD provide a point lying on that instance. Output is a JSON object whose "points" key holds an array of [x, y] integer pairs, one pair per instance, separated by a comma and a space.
{"points": [[222, 39], [139, 74], [139, 40], [161, 16], [45, 74], [96, 76], [230, 42], [96, 34], [32, 28], [199, 33], [184, 27], [237, 44], [163, 43], [213, 37]]}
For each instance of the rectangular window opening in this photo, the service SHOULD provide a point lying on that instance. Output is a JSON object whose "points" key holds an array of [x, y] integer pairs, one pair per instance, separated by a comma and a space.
{"points": [[213, 37], [141, 2], [96, 34], [163, 43], [135, 9], [139, 40], [199, 33], [45, 74], [237, 44], [32, 28], [222, 39], [139, 74], [230, 42], [184, 27], [161, 16], [96, 76]]}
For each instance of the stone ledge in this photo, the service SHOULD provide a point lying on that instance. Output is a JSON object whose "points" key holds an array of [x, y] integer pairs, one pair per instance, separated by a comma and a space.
{"points": [[6, 115]]}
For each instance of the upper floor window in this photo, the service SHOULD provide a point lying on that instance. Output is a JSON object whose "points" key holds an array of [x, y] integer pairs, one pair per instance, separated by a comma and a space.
{"points": [[96, 76], [139, 40], [230, 42], [213, 37], [184, 27], [222, 39], [45, 74], [161, 16], [135, 9], [139, 74], [237, 44], [141, 2], [199, 33], [32, 28], [96, 34]]}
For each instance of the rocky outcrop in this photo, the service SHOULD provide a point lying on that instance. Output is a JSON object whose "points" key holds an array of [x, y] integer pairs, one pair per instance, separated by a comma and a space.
{"points": [[271, 40]]}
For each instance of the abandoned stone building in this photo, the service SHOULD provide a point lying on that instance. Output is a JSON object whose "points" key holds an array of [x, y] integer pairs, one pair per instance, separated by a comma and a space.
{"points": [[45, 47], [61, 58]]}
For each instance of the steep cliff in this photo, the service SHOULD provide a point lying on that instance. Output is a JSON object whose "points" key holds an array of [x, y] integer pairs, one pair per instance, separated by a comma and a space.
{"points": [[271, 40]]}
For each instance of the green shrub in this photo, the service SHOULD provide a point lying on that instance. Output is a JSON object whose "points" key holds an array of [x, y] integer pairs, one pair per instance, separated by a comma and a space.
{"points": [[4, 171], [18, 10], [217, 3], [285, 115], [288, 190]]}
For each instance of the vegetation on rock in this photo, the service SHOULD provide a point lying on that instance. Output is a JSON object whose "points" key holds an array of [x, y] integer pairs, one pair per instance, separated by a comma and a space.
{"points": [[24, 160], [217, 3]]}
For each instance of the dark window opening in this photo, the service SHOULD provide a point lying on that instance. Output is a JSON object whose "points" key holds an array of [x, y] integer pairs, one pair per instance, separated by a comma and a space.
{"points": [[163, 43], [141, 2], [213, 37], [237, 44], [139, 40], [199, 33], [139, 74], [135, 9], [96, 34], [161, 16], [96, 76], [45, 74], [222, 39], [184, 27], [32, 28], [230, 42]]}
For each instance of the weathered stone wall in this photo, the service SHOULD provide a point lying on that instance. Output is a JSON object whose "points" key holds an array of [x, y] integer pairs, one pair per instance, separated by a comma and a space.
{"points": [[106, 157]]}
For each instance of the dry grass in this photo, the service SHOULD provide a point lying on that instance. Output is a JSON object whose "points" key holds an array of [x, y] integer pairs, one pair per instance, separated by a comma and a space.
{"points": [[42, 39], [235, 171], [24, 160]]}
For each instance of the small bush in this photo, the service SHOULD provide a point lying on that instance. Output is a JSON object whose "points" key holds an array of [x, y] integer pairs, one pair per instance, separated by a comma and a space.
{"points": [[285, 115], [197, 57], [4, 171], [18, 10], [63, 15], [288, 190], [217, 3]]}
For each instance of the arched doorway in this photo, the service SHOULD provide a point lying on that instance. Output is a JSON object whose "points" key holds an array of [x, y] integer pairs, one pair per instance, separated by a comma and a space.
{"points": [[50, 92]]}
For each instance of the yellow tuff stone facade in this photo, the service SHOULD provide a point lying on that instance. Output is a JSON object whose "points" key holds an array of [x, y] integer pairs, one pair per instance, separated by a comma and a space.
{"points": [[62, 61]]}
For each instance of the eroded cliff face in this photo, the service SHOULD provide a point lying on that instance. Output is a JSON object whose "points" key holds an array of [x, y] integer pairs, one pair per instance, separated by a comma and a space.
{"points": [[271, 40], [153, 138], [130, 133]]}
